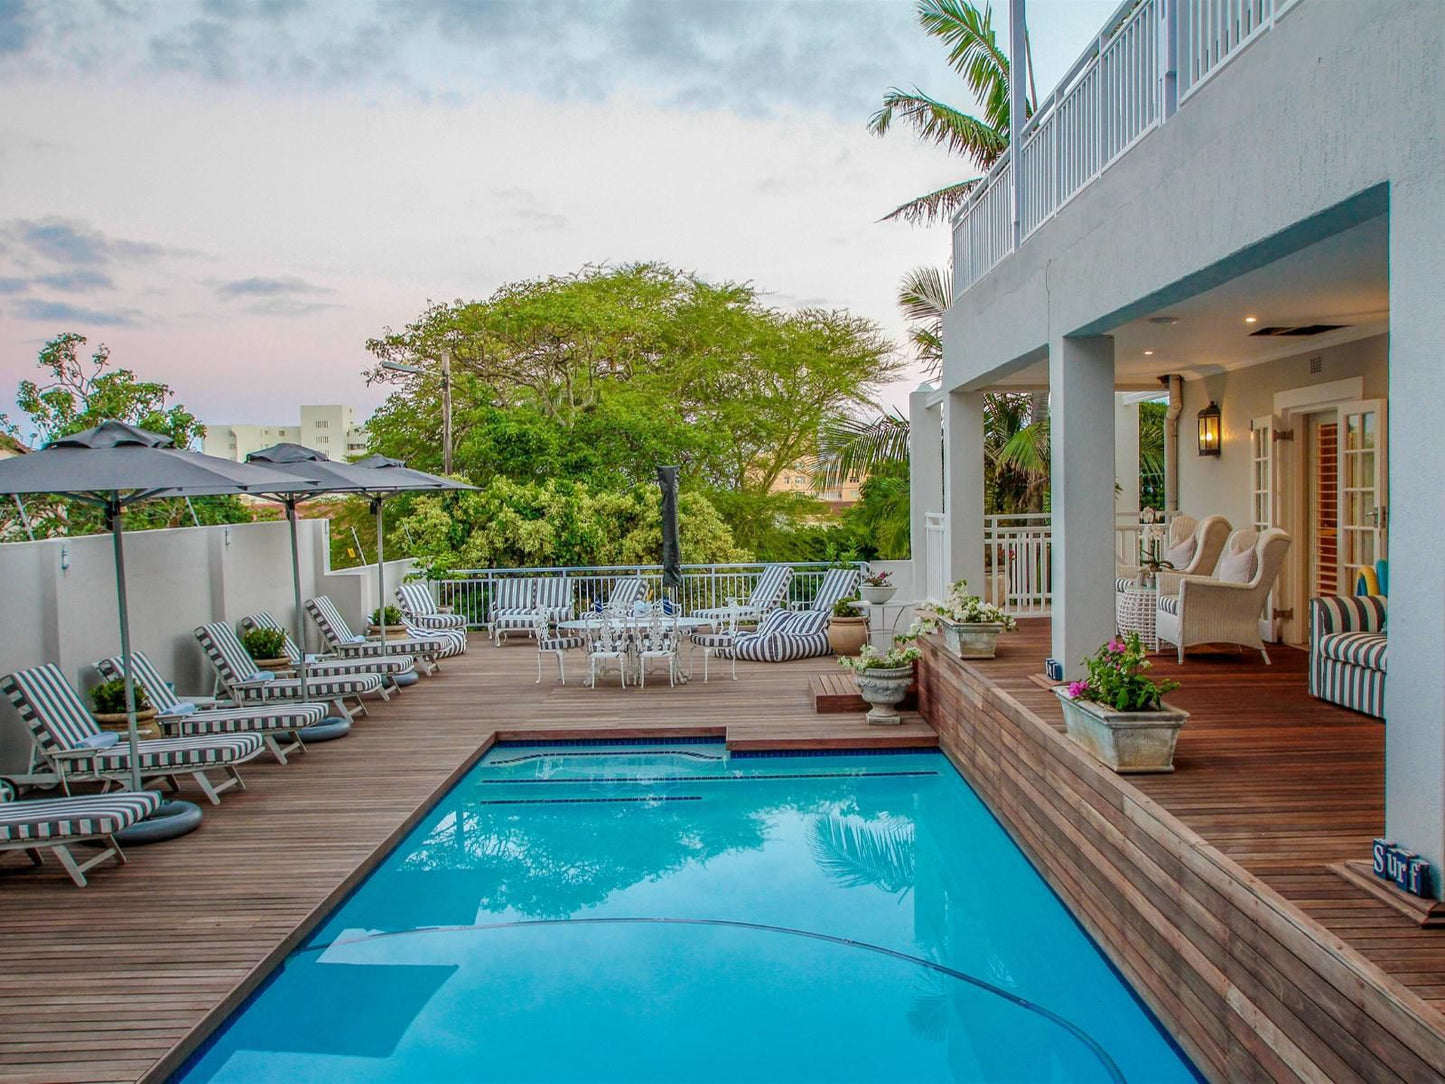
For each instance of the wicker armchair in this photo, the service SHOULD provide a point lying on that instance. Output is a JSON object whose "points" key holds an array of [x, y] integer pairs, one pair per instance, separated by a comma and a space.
{"points": [[1203, 610], [1209, 535]]}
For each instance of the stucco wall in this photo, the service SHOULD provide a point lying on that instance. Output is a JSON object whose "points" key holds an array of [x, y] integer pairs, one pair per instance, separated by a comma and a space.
{"points": [[177, 579]]}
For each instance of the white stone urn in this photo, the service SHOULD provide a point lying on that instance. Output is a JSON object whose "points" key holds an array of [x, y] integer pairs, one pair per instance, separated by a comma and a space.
{"points": [[1126, 741], [971, 640], [877, 596], [884, 689]]}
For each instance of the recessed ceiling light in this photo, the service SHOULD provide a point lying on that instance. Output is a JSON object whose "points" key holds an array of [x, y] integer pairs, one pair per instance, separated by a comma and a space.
{"points": [[1148, 353], [1250, 319], [1164, 320]]}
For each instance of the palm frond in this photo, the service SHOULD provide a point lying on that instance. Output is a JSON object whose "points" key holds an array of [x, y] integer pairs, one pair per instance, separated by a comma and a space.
{"points": [[859, 447], [936, 206], [936, 122], [973, 51], [925, 293], [864, 853], [1028, 449]]}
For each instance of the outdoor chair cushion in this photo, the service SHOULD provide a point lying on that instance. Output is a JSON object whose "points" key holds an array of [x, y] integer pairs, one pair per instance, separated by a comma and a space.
{"points": [[1169, 603], [1367, 649], [559, 643], [78, 817], [713, 639], [1179, 556], [1236, 567]]}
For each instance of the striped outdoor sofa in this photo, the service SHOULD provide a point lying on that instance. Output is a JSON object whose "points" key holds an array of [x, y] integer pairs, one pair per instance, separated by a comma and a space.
{"points": [[1349, 651], [388, 666], [238, 673], [272, 721], [420, 609], [429, 645], [838, 584], [60, 727], [54, 824], [783, 636], [516, 600], [766, 596]]}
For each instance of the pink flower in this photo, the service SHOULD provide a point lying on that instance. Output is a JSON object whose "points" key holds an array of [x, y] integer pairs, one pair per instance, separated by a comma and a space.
{"points": [[1077, 689], [1116, 647]]}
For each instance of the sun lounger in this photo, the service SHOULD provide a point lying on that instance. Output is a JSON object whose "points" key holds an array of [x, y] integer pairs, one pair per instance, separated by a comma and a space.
{"points": [[248, 683], [56, 824], [388, 666], [431, 646], [420, 609]]}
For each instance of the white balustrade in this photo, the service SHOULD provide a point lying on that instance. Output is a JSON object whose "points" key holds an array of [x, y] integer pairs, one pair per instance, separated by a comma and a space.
{"points": [[934, 541]]}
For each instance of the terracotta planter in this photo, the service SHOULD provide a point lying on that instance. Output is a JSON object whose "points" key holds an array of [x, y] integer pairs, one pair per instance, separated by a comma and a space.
{"points": [[971, 640], [274, 665], [145, 727], [393, 632], [1126, 741], [884, 690], [877, 596], [847, 635]]}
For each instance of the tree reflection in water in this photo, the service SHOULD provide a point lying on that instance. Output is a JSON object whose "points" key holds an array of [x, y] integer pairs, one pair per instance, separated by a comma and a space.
{"points": [[857, 853]]}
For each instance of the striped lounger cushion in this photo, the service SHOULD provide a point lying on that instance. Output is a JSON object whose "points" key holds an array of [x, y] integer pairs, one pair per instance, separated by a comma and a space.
{"points": [[1349, 651], [80, 817], [388, 666], [186, 754], [339, 637], [420, 610], [784, 636], [281, 717], [440, 643], [235, 666]]}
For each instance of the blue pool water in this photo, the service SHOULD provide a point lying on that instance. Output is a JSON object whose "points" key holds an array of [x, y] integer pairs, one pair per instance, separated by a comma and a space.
{"points": [[669, 913]]}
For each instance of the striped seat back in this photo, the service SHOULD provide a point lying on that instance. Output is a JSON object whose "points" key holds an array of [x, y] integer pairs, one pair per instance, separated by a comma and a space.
{"points": [[808, 623], [554, 593], [161, 695], [329, 620], [625, 593], [514, 593], [776, 622], [51, 709], [415, 600], [772, 587], [228, 655], [838, 584], [264, 620], [1346, 613]]}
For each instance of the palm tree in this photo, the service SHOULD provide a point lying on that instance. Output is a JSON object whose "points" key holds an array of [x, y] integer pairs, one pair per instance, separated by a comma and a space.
{"points": [[974, 54]]}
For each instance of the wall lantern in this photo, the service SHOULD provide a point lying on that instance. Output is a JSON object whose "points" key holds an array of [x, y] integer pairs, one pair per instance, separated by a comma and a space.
{"points": [[1209, 429]]}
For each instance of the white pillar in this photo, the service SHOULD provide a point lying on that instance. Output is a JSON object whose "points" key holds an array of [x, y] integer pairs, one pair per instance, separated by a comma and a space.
{"points": [[963, 487], [1126, 455], [1081, 483], [925, 477], [1414, 692]]}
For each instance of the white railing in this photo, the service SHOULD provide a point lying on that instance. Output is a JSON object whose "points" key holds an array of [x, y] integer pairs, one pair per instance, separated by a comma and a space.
{"points": [[934, 540], [470, 591], [1121, 88]]}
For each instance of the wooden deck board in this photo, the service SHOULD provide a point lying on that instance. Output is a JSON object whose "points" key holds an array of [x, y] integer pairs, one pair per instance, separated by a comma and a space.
{"points": [[102, 982]]}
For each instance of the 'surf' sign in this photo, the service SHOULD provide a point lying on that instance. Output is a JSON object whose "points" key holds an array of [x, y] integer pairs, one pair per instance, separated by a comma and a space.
{"points": [[1406, 869]]}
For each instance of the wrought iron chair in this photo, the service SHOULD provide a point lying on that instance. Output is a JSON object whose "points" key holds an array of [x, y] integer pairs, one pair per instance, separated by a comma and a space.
{"points": [[553, 642]]}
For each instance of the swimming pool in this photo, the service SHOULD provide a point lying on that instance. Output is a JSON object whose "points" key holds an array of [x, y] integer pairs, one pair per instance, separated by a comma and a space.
{"points": [[665, 912]]}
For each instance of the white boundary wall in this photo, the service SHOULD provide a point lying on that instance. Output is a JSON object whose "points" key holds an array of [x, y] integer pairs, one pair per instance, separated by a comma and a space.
{"points": [[177, 579]]}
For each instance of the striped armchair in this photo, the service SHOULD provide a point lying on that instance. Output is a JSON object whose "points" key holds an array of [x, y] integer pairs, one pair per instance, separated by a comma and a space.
{"points": [[421, 610], [1349, 651]]}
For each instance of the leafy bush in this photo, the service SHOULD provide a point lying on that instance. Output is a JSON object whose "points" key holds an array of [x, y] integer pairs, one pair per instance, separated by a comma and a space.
{"points": [[962, 608], [844, 607], [901, 654], [264, 643], [109, 697], [393, 616], [1116, 678]]}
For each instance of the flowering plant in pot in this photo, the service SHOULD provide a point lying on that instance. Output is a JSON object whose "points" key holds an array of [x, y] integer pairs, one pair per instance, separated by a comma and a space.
{"points": [[847, 628], [883, 678], [971, 627], [1152, 536], [1118, 713], [108, 700], [267, 647], [877, 588]]}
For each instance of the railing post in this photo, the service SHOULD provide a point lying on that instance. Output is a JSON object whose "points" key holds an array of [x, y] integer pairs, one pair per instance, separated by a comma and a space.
{"points": [[1018, 104], [1168, 57]]}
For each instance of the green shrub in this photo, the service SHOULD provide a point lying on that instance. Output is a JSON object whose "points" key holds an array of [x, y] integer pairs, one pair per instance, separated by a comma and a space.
{"points": [[109, 697], [265, 643], [393, 616]]}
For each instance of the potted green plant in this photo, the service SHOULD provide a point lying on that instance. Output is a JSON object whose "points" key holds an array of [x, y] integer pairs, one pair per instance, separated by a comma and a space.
{"points": [[267, 647], [395, 630], [971, 627], [1118, 714], [883, 679], [847, 628], [108, 700], [876, 588]]}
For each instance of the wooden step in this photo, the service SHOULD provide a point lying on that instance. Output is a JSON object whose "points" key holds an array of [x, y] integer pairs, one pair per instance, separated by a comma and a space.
{"points": [[836, 694]]}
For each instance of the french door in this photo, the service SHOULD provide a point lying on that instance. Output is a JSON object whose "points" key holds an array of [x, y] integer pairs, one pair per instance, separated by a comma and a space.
{"points": [[1363, 487]]}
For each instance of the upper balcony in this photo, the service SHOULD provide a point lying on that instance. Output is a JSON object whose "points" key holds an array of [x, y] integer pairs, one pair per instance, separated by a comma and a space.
{"points": [[1150, 58]]}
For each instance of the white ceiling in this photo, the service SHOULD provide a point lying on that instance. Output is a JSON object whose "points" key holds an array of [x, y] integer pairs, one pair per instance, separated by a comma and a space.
{"points": [[1343, 279]]}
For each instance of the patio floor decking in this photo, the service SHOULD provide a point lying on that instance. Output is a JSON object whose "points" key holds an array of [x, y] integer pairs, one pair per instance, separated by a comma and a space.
{"points": [[102, 982]]}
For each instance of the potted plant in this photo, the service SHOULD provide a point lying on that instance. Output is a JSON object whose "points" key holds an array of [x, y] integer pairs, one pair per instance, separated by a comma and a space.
{"points": [[847, 628], [108, 699], [267, 647], [1151, 548], [395, 629], [1118, 714], [876, 589], [883, 679], [971, 626]]}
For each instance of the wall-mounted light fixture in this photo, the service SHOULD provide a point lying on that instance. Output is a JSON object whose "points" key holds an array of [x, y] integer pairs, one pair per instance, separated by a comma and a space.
{"points": [[64, 558], [1209, 429], [226, 536]]}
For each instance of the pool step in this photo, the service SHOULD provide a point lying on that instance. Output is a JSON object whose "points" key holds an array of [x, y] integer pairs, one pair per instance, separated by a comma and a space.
{"points": [[836, 694]]}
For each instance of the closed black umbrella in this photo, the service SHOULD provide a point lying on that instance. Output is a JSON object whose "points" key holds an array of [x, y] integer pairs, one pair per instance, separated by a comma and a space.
{"points": [[671, 545]]}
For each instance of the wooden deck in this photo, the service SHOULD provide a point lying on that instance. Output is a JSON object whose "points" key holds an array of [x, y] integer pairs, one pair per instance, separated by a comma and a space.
{"points": [[102, 983], [1281, 782]]}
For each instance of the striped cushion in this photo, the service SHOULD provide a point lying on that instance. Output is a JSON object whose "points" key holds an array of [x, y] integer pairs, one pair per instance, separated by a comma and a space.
{"points": [[781, 648], [559, 643], [771, 588], [837, 584], [1368, 649], [436, 643], [59, 819], [554, 594], [808, 623], [234, 666], [1169, 604], [1125, 583], [514, 593], [776, 622], [292, 715], [626, 592], [713, 639], [51, 709], [419, 609], [514, 619], [1347, 613], [158, 689], [389, 666], [1356, 687], [328, 619], [428, 644], [166, 753]]}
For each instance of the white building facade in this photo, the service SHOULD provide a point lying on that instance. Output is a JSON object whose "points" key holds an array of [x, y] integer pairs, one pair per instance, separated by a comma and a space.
{"points": [[1239, 204], [329, 428]]}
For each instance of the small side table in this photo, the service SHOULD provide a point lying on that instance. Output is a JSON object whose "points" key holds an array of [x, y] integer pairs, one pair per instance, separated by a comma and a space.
{"points": [[881, 630], [1134, 609]]}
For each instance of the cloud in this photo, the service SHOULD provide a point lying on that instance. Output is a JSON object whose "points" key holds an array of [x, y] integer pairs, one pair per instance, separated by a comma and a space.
{"points": [[71, 242], [13, 286], [287, 306], [15, 26], [56, 311], [78, 281], [267, 287]]}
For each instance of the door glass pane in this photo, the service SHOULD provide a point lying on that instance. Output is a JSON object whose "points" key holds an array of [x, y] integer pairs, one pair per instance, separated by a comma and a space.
{"points": [[1367, 469], [1352, 432], [1369, 427]]}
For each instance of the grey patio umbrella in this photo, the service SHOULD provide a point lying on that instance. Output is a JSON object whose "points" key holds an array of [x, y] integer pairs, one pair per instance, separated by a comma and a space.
{"points": [[114, 466], [671, 545]]}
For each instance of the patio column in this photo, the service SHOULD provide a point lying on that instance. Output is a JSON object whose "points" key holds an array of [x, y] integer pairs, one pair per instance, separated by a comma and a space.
{"points": [[925, 477], [1126, 455], [963, 487], [1081, 483], [1414, 691]]}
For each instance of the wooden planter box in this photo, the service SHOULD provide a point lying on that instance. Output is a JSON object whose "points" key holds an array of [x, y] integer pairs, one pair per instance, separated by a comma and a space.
{"points": [[1125, 741]]}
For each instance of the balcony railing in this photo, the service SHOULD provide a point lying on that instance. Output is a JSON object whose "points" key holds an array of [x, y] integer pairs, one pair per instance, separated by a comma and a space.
{"points": [[470, 591], [1151, 56]]}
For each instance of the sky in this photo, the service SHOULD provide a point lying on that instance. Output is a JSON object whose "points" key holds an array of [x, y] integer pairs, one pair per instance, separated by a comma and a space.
{"points": [[233, 195]]}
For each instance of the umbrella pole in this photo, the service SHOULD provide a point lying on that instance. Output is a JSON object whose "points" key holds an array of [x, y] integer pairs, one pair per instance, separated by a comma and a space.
{"points": [[113, 511], [380, 576], [300, 622]]}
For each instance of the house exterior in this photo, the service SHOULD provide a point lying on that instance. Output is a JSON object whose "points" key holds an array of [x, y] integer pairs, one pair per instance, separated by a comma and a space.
{"points": [[329, 428], [1239, 205]]}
